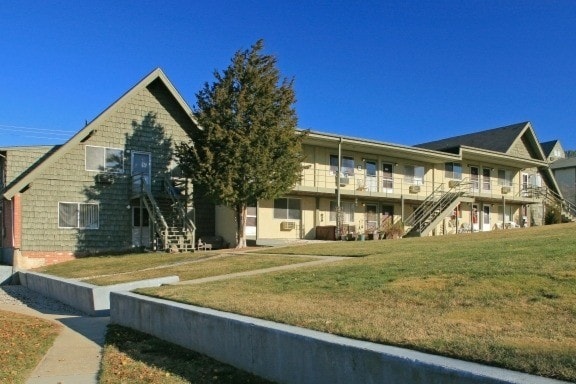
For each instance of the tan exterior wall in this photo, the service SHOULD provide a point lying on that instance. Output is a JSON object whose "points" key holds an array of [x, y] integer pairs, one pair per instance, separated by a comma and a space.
{"points": [[226, 224]]}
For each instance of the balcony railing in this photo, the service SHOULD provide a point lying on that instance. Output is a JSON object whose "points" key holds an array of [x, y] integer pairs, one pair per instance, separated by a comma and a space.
{"points": [[357, 184]]}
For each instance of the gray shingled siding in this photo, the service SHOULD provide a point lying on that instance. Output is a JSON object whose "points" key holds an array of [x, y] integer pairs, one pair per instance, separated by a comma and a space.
{"points": [[519, 150], [139, 124], [19, 160]]}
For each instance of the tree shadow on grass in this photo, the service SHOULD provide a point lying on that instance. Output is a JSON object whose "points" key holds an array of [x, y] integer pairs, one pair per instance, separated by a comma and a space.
{"points": [[173, 360]]}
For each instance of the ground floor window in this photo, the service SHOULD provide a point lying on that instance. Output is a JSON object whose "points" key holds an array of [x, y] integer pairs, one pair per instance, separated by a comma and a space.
{"points": [[287, 208], [78, 215], [347, 211]]}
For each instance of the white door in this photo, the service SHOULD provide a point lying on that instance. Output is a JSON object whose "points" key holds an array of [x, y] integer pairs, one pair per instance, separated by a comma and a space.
{"points": [[371, 182], [140, 227], [475, 218], [486, 218], [387, 178], [141, 170], [486, 179], [251, 223], [475, 178]]}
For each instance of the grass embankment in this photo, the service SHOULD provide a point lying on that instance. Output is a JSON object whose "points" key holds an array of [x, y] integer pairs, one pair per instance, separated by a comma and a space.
{"points": [[133, 357], [23, 342], [106, 270], [505, 298]]}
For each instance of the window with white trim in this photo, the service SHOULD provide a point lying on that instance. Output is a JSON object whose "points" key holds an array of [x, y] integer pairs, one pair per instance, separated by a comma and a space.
{"points": [[414, 174], [78, 215], [287, 208], [347, 211], [347, 167], [505, 177], [453, 171], [103, 159]]}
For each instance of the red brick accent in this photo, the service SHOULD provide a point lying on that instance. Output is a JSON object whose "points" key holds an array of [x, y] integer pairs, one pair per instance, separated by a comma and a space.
{"points": [[17, 220], [37, 258]]}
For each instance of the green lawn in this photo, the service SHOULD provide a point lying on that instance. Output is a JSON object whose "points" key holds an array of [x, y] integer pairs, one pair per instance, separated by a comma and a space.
{"points": [[106, 270], [506, 298]]}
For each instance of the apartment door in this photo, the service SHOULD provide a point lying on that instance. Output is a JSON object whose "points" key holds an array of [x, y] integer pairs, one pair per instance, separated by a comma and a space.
{"points": [[141, 170], [486, 217], [475, 178], [475, 218], [371, 182], [387, 178], [525, 179], [486, 179], [251, 223], [371, 217], [140, 227]]}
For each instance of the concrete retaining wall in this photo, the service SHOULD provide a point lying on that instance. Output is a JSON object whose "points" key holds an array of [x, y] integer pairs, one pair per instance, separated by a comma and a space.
{"points": [[6, 273], [290, 354], [91, 299]]}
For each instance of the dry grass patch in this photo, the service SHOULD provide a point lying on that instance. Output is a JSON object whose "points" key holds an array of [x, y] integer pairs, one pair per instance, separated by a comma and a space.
{"points": [[214, 266], [133, 357], [23, 342], [506, 298]]}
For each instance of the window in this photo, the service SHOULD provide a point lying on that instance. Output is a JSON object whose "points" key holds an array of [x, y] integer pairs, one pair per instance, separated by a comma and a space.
{"points": [[78, 215], [104, 159], [347, 211], [453, 171], [505, 177], [347, 168], [414, 174], [287, 208]]}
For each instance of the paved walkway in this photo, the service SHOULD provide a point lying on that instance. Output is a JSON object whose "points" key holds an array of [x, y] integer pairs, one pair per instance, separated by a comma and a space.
{"points": [[75, 356]]}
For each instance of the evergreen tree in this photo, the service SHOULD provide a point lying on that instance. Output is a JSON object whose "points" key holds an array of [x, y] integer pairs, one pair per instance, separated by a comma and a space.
{"points": [[248, 149]]}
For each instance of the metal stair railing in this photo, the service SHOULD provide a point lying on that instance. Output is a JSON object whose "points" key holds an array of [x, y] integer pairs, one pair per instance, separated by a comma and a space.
{"points": [[188, 225], [551, 198], [434, 205], [160, 224]]}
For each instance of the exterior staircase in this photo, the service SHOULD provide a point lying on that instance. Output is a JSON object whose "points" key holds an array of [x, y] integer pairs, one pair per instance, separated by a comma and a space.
{"points": [[435, 208], [170, 216], [554, 200]]}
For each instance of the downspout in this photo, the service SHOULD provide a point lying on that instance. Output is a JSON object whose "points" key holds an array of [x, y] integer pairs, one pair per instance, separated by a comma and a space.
{"points": [[338, 208]]}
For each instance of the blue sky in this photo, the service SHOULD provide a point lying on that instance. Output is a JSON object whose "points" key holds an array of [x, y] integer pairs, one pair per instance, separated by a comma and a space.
{"points": [[403, 72]]}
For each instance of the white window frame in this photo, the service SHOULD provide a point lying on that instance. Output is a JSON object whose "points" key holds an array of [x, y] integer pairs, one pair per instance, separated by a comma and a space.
{"points": [[411, 176], [102, 163], [79, 215], [505, 181], [287, 209], [450, 170], [346, 170], [348, 209]]}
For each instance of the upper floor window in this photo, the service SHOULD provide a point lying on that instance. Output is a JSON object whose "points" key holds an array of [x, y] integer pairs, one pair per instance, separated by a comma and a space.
{"points": [[453, 171], [347, 167], [78, 215], [103, 159], [414, 174], [286, 208], [505, 177]]}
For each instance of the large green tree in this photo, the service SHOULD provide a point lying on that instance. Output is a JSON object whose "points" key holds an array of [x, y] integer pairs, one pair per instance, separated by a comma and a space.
{"points": [[248, 149]]}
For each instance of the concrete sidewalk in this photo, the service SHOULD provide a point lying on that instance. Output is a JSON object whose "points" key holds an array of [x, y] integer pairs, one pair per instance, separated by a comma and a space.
{"points": [[74, 358]]}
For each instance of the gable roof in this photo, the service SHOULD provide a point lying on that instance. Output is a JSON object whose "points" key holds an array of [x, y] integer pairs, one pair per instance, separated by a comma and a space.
{"points": [[497, 139], [548, 146], [500, 140], [156, 75]]}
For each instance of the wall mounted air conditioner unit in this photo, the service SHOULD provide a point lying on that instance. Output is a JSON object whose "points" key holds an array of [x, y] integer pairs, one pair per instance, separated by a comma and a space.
{"points": [[453, 183], [414, 189], [505, 190], [287, 225], [105, 178], [344, 181]]}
